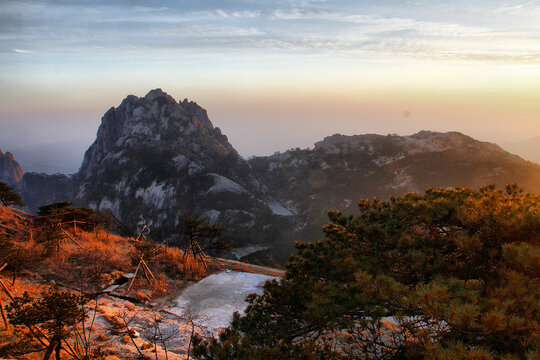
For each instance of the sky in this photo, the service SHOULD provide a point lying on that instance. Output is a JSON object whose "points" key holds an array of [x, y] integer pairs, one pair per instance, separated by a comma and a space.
{"points": [[273, 75]]}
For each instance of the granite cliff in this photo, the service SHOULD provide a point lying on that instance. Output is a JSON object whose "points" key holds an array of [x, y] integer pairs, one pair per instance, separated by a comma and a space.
{"points": [[155, 159]]}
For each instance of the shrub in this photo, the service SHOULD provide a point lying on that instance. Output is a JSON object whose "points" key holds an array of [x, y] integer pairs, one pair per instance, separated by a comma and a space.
{"points": [[445, 275]]}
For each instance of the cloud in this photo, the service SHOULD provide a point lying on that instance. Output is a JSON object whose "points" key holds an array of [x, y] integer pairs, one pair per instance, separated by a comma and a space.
{"points": [[209, 30], [364, 28], [20, 51]]}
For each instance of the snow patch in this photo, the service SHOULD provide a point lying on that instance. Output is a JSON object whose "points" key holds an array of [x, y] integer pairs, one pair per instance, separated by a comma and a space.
{"points": [[155, 195], [385, 160], [324, 165], [402, 180], [212, 301], [279, 209], [121, 188], [297, 162], [222, 184], [107, 204]]}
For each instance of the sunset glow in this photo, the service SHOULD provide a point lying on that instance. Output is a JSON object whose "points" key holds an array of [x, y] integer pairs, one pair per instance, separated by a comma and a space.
{"points": [[295, 71]]}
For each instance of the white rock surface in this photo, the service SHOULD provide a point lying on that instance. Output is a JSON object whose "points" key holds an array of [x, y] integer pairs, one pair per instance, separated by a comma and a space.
{"points": [[223, 184]]}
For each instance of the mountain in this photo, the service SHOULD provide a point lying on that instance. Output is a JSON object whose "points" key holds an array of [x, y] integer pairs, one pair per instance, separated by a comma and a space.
{"points": [[10, 170], [155, 159], [36, 188], [341, 169], [39, 189]]}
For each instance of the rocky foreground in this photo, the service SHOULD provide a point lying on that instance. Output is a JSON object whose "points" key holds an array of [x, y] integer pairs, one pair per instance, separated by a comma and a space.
{"points": [[129, 312]]}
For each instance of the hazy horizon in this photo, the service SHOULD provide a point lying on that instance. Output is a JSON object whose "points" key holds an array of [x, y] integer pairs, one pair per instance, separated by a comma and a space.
{"points": [[272, 75], [66, 157]]}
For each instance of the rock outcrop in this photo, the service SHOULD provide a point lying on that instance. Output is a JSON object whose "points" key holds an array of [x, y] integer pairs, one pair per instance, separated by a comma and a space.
{"points": [[341, 169], [155, 160], [10, 170], [40, 189]]}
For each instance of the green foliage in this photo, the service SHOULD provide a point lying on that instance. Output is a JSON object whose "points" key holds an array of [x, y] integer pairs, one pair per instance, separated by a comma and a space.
{"points": [[203, 233], [54, 208], [61, 214], [64, 211], [8, 197], [56, 313], [451, 274], [13, 255]]}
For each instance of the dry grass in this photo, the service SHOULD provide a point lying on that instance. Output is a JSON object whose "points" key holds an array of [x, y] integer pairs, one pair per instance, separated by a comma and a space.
{"points": [[142, 296], [103, 337], [173, 263], [92, 260], [116, 325], [146, 346]]}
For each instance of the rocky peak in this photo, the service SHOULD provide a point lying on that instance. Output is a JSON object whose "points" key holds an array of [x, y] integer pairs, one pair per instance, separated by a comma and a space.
{"points": [[10, 170], [158, 123], [157, 94], [155, 159], [421, 142], [197, 112]]}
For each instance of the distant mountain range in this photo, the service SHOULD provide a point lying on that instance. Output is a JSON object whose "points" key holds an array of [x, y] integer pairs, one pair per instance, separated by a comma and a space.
{"points": [[155, 159], [50, 158]]}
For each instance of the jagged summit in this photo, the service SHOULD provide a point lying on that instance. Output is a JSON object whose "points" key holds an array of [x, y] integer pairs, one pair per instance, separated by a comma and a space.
{"points": [[154, 121], [10, 170], [155, 159]]}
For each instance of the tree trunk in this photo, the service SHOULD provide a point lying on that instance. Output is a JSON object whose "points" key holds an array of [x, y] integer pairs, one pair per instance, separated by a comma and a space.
{"points": [[58, 349], [190, 338], [49, 351], [4, 315], [54, 345]]}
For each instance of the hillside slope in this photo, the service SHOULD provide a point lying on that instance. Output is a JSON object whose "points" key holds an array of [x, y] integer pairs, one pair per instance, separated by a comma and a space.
{"points": [[341, 170], [102, 266]]}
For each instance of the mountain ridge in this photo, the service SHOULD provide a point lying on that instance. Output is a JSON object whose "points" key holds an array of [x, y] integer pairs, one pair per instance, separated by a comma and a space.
{"points": [[155, 159]]}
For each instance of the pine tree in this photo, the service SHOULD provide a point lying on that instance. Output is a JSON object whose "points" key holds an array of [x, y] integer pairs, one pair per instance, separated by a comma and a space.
{"points": [[8, 197], [450, 274], [55, 313], [199, 236]]}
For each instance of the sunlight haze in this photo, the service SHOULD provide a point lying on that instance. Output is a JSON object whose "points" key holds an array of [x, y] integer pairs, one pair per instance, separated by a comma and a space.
{"points": [[272, 75]]}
